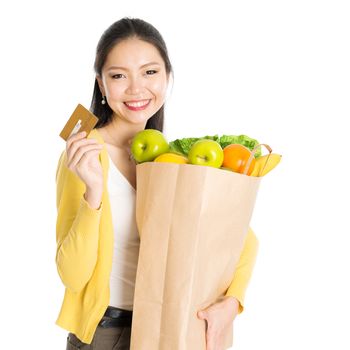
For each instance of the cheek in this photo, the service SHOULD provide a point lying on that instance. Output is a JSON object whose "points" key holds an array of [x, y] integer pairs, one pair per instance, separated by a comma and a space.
{"points": [[159, 88], [115, 91]]}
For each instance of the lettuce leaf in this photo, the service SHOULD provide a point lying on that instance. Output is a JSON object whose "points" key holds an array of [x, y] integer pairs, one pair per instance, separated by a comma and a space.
{"points": [[183, 146], [244, 140]]}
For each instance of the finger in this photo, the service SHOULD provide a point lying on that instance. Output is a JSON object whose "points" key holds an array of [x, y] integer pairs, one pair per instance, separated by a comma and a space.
{"points": [[87, 157], [206, 335], [81, 152], [208, 341], [203, 315], [74, 156], [75, 137], [211, 339], [77, 142], [74, 147]]}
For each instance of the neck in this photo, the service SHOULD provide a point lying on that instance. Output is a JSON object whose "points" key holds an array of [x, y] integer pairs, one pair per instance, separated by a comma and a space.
{"points": [[121, 132]]}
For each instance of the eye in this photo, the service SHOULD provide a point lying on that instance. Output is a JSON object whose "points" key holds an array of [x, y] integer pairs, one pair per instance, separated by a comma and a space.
{"points": [[154, 72], [116, 76]]}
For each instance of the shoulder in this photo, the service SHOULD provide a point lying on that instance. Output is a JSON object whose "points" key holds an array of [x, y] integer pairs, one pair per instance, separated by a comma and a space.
{"points": [[96, 134]]}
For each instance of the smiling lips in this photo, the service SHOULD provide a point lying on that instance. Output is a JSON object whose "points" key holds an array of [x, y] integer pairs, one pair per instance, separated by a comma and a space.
{"points": [[137, 105]]}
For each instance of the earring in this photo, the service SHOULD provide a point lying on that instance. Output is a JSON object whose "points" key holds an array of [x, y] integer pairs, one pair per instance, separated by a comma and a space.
{"points": [[103, 100]]}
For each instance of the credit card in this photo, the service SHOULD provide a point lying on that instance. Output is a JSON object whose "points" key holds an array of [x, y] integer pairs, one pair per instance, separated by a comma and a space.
{"points": [[81, 120]]}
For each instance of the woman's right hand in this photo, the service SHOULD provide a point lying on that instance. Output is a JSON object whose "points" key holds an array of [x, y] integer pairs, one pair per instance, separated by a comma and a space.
{"points": [[83, 160]]}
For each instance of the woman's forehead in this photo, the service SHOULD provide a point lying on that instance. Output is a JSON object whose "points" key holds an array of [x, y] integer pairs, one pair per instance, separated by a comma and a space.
{"points": [[132, 53]]}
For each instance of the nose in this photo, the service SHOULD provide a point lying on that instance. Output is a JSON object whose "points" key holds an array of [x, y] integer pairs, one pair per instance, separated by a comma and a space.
{"points": [[135, 86]]}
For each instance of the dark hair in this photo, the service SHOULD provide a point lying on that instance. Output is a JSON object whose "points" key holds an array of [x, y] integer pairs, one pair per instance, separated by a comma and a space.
{"points": [[123, 29]]}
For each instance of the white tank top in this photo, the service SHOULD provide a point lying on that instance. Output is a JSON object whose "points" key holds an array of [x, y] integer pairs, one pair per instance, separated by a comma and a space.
{"points": [[126, 239]]}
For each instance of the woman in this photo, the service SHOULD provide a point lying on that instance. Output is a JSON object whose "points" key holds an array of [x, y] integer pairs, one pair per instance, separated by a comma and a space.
{"points": [[97, 238]]}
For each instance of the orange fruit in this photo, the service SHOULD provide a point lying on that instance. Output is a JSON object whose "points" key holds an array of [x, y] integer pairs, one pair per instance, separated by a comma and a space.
{"points": [[236, 157]]}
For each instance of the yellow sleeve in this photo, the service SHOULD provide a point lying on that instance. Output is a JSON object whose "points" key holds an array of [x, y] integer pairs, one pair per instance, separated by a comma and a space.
{"points": [[244, 269], [77, 229]]}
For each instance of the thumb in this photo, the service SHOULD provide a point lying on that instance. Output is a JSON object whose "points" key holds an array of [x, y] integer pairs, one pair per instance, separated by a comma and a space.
{"points": [[202, 314]]}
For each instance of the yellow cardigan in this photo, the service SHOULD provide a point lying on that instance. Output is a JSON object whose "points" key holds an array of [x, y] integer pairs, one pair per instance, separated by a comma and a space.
{"points": [[84, 253]]}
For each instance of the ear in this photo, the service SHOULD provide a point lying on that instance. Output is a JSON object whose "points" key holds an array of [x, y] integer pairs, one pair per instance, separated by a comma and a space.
{"points": [[100, 85]]}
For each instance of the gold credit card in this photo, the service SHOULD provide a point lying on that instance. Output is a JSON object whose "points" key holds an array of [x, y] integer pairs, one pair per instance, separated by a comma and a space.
{"points": [[81, 120]]}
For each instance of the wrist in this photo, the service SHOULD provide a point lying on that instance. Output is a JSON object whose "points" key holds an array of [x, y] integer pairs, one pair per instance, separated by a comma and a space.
{"points": [[232, 302], [93, 197], [231, 299], [98, 187]]}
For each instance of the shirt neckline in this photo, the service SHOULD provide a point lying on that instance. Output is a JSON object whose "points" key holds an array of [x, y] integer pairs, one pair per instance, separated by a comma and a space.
{"points": [[116, 168]]}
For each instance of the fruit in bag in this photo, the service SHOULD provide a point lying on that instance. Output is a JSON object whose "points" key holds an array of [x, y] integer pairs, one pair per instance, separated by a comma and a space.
{"points": [[264, 165], [236, 157], [171, 158]]}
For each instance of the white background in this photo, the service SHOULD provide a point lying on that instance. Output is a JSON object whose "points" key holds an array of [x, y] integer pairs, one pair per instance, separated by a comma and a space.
{"points": [[276, 70]]}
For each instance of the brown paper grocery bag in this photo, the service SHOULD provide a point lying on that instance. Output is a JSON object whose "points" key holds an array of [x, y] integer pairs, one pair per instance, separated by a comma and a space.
{"points": [[192, 222]]}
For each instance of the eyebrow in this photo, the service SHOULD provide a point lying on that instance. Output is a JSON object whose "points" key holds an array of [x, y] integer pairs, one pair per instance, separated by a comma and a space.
{"points": [[144, 65]]}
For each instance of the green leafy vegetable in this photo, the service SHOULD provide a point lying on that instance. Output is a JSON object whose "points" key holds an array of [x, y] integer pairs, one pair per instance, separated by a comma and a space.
{"points": [[183, 146]]}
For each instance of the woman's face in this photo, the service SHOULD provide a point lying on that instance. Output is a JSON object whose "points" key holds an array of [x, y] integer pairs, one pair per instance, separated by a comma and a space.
{"points": [[134, 80]]}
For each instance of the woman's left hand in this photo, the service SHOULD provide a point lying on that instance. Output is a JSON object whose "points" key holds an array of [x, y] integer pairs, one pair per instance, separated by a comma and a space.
{"points": [[219, 317]]}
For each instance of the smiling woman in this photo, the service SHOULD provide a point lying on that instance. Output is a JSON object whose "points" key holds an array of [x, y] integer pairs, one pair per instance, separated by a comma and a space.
{"points": [[96, 232]]}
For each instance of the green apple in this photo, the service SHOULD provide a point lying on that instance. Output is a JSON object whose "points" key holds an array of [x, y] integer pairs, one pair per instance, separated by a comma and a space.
{"points": [[148, 144], [206, 152]]}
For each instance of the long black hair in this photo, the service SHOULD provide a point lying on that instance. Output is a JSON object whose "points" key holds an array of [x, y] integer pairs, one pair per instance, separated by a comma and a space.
{"points": [[123, 29]]}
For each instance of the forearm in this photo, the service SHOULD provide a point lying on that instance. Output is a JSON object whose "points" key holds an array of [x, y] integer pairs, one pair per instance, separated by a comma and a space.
{"points": [[76, 255], [77, 227], [244, 269]]}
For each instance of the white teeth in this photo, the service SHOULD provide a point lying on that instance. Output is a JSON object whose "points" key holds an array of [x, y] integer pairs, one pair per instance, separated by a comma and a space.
{"points": [[137, 104]]}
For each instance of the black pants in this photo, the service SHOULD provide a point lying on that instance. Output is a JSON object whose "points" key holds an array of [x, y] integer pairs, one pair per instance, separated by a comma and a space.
{"points": [[110, 338], [116, 338]]}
